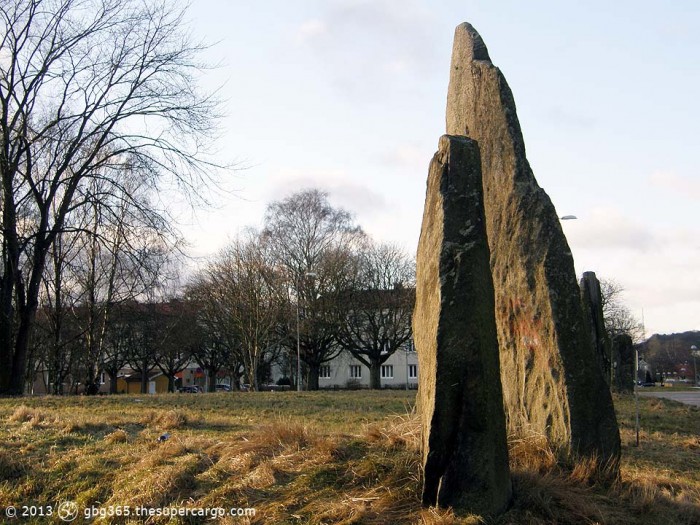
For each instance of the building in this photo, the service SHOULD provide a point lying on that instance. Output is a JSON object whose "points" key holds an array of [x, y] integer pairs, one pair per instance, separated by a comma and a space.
{"points": [[399, 371]]}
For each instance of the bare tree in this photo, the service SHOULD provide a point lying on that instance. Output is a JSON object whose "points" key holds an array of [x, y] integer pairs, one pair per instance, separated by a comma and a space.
{"points": [[249, 291], [218, 344], [618, 318], [176, 322], [118, 339], [321, 301], [376, 321], [85, 87], [241, 296], [212, 354], [314, 243], [142, 340], [60, 349], [125, 254]]}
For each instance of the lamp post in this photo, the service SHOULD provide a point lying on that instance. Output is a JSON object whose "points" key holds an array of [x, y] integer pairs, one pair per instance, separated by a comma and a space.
{"points": [[695, 353], [312, 275], [636, 392]]}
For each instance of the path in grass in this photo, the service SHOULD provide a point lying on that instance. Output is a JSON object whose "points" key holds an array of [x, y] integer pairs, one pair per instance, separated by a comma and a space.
{"points": [[689, 397]]}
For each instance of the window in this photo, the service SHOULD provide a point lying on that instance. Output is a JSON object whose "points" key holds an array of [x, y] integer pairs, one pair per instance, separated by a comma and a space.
{"points": [[387, 371], [355, 371], [324, 372], [412, 371]]}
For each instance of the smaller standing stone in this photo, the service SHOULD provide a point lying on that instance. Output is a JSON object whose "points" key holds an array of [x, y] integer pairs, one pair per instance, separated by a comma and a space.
{"points": [[465, 453], [592, 303], [623, 355]]}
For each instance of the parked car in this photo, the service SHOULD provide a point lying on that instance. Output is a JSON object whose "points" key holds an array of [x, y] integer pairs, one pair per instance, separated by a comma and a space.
{"points": [[223, 388], [190, 390]]}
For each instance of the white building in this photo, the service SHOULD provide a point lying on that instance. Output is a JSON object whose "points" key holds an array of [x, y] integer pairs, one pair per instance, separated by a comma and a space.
{"points": [[399, 371]]}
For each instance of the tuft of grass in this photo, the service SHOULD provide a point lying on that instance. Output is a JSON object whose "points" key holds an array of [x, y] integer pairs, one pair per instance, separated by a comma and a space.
{"points": [[287, 434], [531, 452], [23, 413], [33, 417], [399, 431], [165, 419], [118, 436], [11, 467]]}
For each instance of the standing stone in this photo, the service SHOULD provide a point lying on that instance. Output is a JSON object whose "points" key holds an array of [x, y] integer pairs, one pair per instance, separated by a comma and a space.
{"points": [[592, 304], [623, 354], [465, 453], [551, 383]]}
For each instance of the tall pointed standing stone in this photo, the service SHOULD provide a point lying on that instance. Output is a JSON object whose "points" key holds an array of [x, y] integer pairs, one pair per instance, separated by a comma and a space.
{"points": [[551, 384], [464, 436]]}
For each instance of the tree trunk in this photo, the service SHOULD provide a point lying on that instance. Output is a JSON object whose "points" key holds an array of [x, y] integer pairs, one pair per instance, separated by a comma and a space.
{"points": [[211, 379], [375, 379], [171, 383], [144, 380], [314, 370], [113, 381], [92, 382], [6, 346], [27, 315], [19, 363], [253, 375]]}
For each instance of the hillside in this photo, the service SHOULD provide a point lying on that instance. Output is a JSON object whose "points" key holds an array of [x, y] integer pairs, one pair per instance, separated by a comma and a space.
{"points": [[670, 353]]}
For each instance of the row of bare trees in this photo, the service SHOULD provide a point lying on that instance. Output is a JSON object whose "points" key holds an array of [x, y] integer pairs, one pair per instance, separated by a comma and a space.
{"points": [[311, 273], [321, 284], [142, 336]]}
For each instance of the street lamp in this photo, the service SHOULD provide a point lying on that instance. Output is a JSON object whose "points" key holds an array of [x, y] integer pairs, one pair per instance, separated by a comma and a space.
{"points": [[695, 353], [312, 275]]}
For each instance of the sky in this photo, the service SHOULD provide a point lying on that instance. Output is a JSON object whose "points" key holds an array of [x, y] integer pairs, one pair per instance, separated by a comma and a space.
{"points": [[349, 96]]}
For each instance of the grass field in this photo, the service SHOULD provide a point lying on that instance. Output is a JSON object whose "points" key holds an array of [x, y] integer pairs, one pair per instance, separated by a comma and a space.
{"points": [[321, 457]]}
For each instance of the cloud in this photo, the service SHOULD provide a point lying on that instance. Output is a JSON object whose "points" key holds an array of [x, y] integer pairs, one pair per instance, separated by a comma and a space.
{"points": [[310, 30], [609, 229], [342, 190], [566, 116], [410, 156], [656, 266], [363, 43], [671, 182]]}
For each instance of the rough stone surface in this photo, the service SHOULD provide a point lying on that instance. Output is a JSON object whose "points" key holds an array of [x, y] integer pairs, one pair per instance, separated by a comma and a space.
{"points": [[551, 384], [623, 355], [460, 399], [592, 304]]}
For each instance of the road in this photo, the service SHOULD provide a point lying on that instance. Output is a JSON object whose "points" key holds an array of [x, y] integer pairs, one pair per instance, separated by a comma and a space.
{"points": [[689, 397]]}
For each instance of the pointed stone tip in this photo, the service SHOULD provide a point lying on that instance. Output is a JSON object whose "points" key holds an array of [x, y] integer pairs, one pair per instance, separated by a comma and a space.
{"points": [[469, 39]]}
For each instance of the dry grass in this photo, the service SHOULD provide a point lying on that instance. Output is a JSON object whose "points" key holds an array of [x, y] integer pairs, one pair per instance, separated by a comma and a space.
{"points": [[165, 419], [118, 436], [320, 458], [531, 452], [32, 417]]}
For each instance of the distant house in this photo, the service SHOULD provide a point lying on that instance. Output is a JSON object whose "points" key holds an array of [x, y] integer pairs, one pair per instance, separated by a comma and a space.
{"points": [[131, 383]]}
